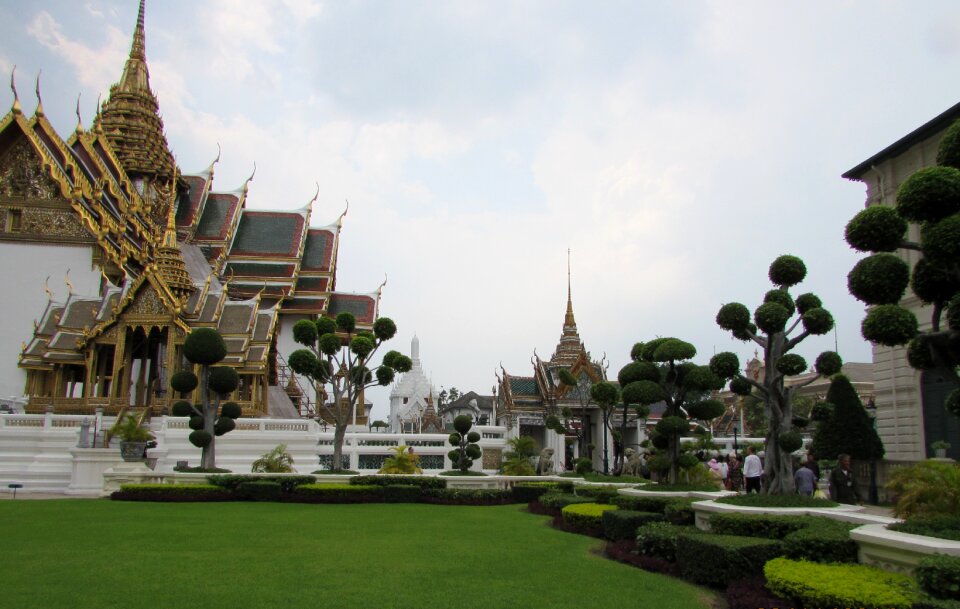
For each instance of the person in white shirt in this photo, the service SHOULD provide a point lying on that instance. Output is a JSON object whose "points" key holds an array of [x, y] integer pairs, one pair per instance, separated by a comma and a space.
{"points": [[752, 470]]}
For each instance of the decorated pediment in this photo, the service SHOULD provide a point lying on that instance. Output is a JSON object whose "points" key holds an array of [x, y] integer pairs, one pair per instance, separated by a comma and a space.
{"points": [[22, 174]]}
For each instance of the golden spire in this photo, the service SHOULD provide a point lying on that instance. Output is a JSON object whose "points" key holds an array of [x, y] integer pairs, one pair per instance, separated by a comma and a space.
{"points": [[170, 263], [568, 319], [130, 118], [13, 87], [570, 346]]}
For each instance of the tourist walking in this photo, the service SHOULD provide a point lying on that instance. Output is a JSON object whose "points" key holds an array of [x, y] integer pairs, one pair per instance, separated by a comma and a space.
{"points": [[734, 475], [806, 480], [752, 470], [843, 485]]}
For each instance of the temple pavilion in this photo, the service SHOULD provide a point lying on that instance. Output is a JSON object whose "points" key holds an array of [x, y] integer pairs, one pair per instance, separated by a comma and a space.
{"points": [[148, 253]]}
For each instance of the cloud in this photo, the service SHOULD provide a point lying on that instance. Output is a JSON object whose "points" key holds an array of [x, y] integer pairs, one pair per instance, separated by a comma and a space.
{"points": [[96, 68]]}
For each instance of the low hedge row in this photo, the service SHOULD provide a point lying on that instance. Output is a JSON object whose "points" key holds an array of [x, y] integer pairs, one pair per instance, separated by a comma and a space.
{"points": [[393, 480], [525, 492], [715, 560], [804, 537], [468, 496], [171, 492], [943, 527], [338, 493], [768, 526], [623, 524], [660, 539], [779, 501], [232, 482], [677, 510], [556, 501], [939, 576], [586, 515], [599, 494], [811, 584]]}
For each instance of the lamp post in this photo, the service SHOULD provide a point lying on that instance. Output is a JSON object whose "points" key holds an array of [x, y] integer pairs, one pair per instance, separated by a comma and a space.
{"points": [[874, 495]]}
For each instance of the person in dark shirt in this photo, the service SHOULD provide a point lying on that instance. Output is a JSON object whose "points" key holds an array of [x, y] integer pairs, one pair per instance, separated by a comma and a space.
{"points": [[843, 485]]}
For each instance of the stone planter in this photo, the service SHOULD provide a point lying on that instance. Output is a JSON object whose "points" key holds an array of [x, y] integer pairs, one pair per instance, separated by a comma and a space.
{"points": [[132, 451]]}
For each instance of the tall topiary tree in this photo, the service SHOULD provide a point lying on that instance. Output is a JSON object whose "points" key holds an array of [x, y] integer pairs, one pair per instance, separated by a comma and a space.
{"points": [[930, 198], [771, 329], [565, 421], [465, 442], [847, 428], [204, 347], [606, 395], [661, 372], [336, 361]]}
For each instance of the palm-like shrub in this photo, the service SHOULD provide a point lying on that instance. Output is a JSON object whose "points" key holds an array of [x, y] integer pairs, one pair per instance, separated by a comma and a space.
{"points": [[518, 460], [402, 461], [929, 488], [129, 430], [277, 461]]}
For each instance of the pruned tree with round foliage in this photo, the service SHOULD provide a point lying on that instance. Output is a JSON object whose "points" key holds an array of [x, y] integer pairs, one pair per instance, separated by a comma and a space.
{"points": [[662, 372], [204, 347], [565, 421], [846, 427], [606, 395], [336, 360], [929, 198], [465, 442], [778, 325]]}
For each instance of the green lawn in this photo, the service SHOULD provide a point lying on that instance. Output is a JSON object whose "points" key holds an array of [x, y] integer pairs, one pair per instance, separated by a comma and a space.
{"points": [[102, 554]]}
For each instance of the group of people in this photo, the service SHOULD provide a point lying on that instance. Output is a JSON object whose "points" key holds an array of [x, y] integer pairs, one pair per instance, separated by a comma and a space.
{"points": [[748, 477]]}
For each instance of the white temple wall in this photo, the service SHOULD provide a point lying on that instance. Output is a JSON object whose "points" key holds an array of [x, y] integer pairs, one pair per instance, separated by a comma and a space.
{"points": [[286, 345], [25, 267]]}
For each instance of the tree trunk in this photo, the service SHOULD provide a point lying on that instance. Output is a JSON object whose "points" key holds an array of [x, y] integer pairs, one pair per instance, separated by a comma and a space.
{"points": [[339, 432], [208, 458], [674, 451]]}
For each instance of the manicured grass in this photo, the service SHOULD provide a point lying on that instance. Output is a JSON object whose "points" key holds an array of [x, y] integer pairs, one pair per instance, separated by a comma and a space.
{"points": [[102, 554]]}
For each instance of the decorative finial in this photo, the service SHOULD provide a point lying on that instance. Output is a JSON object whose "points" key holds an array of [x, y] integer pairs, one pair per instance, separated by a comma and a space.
{"points": [[46, 288], [39, 100], [138, 50], [13, 87], [79, 119], [66, 280], [382, 285]]}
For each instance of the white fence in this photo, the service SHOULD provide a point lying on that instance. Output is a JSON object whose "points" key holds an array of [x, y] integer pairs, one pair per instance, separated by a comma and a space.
{"points": [[39, 451]]}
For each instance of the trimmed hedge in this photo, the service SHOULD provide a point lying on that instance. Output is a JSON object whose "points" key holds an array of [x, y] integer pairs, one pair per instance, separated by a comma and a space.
{"points": [[623, 524], [939, 576], [680, 511], [824, 540], [401, 493], [557, 501], [259, 490], [812, 584], [338, 493], [287, 483], [929, 602], [467, 496], [779, 501], [942, 527], [532, 491], [391, 480], [659, 539], [586, 515], [171, 492], [767, 526], [600, 494], [642, 503], [715, 560]]}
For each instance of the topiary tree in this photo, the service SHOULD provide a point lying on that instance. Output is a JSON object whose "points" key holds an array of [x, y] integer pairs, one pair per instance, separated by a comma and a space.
{"points": [[565, 421], [930, 198], [847, 427], [661, 372], [204, 347], [606, 395], [335, 361], [466, 443], [771, 329]]}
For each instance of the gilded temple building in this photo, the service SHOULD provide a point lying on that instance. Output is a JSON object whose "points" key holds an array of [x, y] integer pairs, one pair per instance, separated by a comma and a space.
{"points": [[524, 402], [112, 255]]}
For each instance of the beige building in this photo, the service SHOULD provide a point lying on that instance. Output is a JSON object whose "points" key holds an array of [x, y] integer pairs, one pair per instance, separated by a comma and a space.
{"points": [[910, 413]]}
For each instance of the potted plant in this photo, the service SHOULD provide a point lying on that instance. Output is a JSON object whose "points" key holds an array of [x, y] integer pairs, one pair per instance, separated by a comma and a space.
{"points": [[133, 438], [940, 448]]}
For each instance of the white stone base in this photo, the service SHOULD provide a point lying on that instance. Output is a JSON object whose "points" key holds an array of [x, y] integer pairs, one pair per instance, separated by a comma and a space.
{"points": [[89, 464], [135, 472], [896, 551]]}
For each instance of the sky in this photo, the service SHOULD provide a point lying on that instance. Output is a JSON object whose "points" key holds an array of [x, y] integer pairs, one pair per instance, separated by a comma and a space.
{"points": [[675, 148]]}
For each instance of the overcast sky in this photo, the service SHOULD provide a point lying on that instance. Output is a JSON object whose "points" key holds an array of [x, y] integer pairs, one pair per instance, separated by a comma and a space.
{"points": [[676, 148]]}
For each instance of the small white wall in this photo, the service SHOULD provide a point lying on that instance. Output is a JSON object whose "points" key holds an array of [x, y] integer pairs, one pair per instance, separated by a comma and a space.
{"points": [[24, 269]]}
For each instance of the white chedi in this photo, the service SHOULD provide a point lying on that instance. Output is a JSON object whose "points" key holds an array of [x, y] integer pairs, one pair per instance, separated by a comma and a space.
{"points": [[411, 394]]}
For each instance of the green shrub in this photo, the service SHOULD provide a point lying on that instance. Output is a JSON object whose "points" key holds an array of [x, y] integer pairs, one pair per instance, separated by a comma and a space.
{"points": [[660, 539], [824, 540], [601, 494], [418, 481], [259, 490], [680, 487], [586, 515], [715, 560], [558, 501], [402, 493], [338, 493], [777, 501], [767, 526], [641, 503], [532, 491], [939, 576], [170, 492], [287, 483], [929, 488], [468, 496], [813, 584], [943, 527], [623, 524], [929, 602], [680, 511]]}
